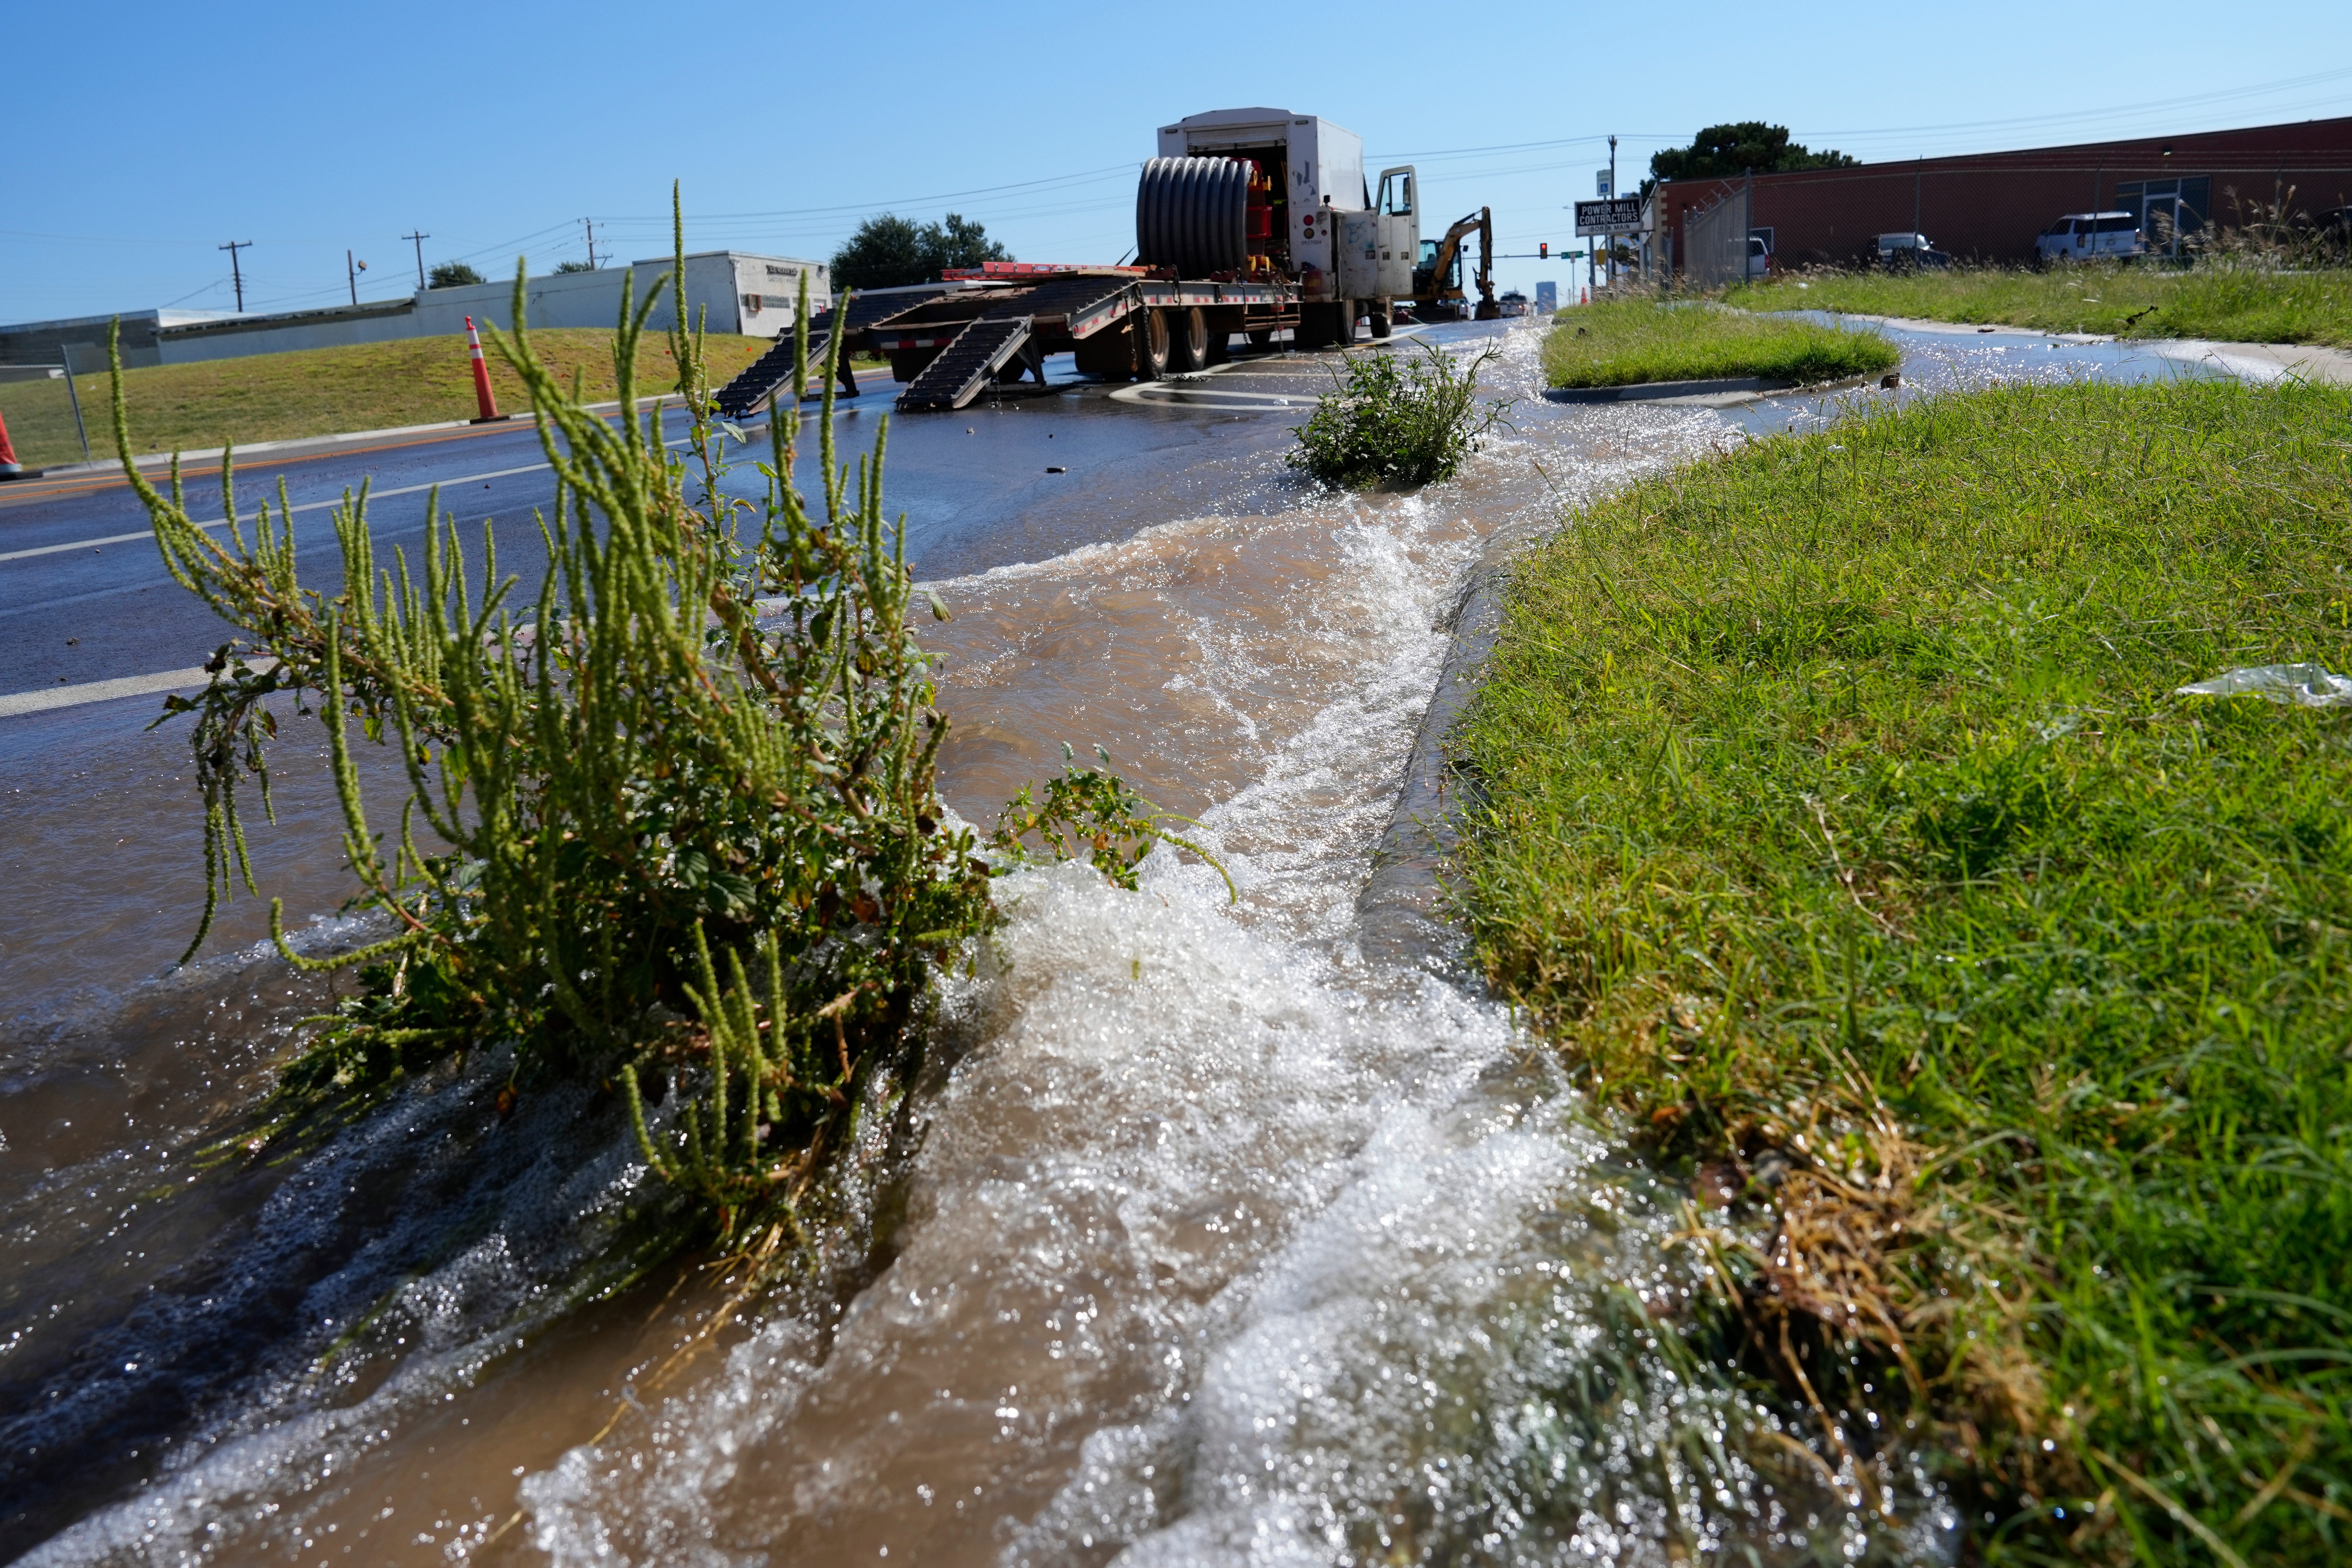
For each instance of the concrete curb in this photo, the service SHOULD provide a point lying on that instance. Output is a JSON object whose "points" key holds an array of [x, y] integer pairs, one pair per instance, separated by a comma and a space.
{"points": [[1396, 911], [1645, 391]]}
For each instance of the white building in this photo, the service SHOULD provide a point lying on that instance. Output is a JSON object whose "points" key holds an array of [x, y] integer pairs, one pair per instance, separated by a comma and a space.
{"points": [[726, 291]]}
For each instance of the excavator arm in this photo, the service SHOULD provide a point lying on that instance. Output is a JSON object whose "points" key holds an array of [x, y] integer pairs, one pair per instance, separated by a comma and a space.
{"points": [[1435, 285]]}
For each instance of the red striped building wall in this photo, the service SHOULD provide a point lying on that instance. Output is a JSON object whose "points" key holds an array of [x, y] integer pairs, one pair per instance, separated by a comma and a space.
{"points": [[1988, 206]]}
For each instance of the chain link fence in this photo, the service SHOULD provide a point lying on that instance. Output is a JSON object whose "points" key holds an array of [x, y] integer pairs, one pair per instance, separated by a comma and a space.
{"points": [[1715, 240], [42, 409]]}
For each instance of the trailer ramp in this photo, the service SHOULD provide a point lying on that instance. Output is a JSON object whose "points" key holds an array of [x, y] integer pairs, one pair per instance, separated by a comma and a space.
{"points": [[967, 363], [773, 372]]}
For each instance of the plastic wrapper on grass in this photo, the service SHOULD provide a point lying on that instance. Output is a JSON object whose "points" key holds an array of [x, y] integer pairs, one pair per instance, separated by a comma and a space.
{"points": [[1397, 421]]}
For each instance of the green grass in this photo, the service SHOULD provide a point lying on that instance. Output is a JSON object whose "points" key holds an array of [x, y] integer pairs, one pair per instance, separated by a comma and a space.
{"points": [[2245, 304], [1841, 812], [1627, 342], [323, 392]]}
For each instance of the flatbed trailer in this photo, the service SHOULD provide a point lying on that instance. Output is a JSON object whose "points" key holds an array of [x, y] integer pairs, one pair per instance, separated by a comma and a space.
{"points": [[1119, 322], [1124, 322], [1251, 220]]}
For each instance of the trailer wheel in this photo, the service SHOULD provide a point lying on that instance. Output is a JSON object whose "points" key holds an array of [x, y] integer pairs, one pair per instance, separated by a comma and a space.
{"points": [[1343, 329], [1152, 346], [1188, 345], [1380, 324], [1262, 338]]}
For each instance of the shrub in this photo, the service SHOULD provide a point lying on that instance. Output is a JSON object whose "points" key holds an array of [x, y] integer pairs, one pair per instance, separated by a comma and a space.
{"points": [[454, 275], [639, 768], [1393, 420]]}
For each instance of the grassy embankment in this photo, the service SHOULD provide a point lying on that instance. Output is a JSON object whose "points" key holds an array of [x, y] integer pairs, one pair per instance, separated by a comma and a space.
{"points": [[323, 392], [2247, 305], [1844, 828], [1626, 342]]}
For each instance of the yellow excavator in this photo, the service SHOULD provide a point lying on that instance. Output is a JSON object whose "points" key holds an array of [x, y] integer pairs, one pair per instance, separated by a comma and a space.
{"points": [[1438, 293]]}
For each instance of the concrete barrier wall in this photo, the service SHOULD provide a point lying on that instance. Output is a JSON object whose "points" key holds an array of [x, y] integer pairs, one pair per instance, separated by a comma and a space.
{"points": [[731, 290], [238, 337]]}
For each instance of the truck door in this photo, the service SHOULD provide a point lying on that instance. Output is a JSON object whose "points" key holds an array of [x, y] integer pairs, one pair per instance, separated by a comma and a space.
{"points": [[1399, 232], [1358, 248]]}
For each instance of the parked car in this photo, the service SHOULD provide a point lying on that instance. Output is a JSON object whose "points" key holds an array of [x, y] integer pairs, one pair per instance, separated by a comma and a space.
{"points": [[1901, 252], [2080, 237], [1759, 256]]}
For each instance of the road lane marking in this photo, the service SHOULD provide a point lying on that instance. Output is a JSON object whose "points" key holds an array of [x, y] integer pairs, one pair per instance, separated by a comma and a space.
{"points": [[306, 506], [17, 702], [319, 505]]}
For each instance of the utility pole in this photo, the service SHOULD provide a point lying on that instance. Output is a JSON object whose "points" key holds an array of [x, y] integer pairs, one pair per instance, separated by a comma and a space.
{"points": [[236, 273], [1611, 239], [353, 269], [420, 238], [590, 225]]}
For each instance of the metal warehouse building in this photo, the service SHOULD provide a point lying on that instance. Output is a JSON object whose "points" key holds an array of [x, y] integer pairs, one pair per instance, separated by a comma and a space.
{"points": [[1989, 207]]}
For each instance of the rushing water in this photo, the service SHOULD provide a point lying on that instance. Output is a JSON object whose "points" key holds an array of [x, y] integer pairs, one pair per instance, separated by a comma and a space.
{"points": [[1199, 1237]]}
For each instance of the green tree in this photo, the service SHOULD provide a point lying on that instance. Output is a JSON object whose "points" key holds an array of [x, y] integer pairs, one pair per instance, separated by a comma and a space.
{"points": [[575, 266], [1721, 151], [454, 275], [960, 243], [889, 251]]}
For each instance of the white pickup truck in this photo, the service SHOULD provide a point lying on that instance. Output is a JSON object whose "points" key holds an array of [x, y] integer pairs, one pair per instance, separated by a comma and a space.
{"points": [[2080, 237]]}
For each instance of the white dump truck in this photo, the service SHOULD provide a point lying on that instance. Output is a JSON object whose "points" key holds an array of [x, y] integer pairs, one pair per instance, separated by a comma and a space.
{"points": [[1249, 221]]}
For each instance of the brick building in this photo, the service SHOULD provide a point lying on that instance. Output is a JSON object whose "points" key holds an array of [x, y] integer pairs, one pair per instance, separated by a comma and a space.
{"points": [[1988, 206]]}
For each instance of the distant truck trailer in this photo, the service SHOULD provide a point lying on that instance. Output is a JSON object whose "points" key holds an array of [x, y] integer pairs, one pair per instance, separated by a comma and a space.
{"points": [[1253, 221]]}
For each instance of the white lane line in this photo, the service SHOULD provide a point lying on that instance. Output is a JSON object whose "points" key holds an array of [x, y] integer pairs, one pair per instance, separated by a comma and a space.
{"points": [[306, 506], [19, 703], [316, 505]]}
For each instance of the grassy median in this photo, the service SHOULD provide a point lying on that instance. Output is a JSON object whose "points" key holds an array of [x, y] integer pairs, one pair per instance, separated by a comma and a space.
{"points": [[2229, 304], [1626, 342], [324, 391], [1844, 827]]}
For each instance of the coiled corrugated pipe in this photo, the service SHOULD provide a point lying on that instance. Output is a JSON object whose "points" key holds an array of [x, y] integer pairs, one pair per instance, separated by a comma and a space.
{"points": [[1192, 214]]}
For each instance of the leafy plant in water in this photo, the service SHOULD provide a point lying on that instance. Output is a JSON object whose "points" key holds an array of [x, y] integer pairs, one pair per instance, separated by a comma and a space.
{"points": [[1392, 420], [1094, 812], [712, 727]]}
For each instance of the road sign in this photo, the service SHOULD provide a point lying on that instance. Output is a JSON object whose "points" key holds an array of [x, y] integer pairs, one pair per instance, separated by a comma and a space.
{"points": [[1602, 179], [1620, 215]]}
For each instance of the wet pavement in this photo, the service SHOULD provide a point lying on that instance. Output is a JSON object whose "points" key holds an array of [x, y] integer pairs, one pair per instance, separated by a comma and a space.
{"points": [[1187, 1184]]}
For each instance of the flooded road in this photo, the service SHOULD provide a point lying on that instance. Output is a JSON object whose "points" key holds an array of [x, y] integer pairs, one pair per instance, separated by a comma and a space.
{"points": [[1201, 1238]]}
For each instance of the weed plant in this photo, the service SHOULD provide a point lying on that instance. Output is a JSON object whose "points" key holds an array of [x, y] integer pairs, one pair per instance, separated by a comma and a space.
{"points": [[1844, 826], [1625, 342], [713, 729], [2228, 296], [1393, 420]]}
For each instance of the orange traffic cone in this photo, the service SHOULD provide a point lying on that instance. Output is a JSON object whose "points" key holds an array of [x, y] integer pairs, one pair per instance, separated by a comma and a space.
{"points": [[483, 396], [10, 468]]}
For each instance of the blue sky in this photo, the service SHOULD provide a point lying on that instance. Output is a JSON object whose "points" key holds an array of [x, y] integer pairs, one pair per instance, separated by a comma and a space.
{"points": [[140, 137]]}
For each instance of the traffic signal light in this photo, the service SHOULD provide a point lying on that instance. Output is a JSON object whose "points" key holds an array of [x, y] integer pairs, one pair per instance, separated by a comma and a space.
{"points": [[1543, 250]]}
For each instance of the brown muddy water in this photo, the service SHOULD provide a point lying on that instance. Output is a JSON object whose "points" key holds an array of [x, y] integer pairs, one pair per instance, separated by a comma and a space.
{"points": [[1199, 1238]]}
